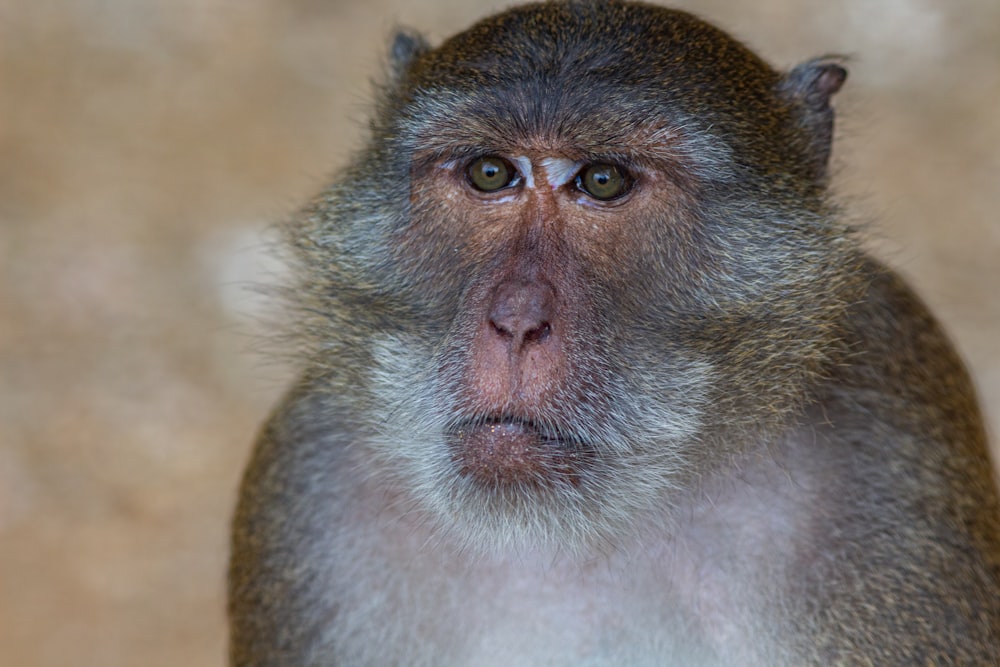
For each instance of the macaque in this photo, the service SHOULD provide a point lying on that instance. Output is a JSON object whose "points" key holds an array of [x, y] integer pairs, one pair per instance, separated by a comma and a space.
{"points": [[595, 372]]}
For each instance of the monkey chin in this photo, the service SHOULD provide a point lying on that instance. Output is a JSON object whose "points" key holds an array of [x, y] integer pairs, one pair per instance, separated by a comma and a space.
{"points": [[570, 472], [516, 485], [511, 451]]}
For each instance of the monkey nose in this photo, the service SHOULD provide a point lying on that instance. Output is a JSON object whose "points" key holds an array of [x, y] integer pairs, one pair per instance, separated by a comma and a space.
{"points": [[522, 312]]}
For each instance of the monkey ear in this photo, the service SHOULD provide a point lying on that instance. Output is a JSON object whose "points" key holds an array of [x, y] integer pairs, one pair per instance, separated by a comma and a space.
{"points": [[407, 45], [809, 87], [815, 81]]}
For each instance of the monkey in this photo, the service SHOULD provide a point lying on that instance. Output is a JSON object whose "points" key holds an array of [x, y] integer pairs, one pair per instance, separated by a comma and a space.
{"points": [[595, 370]]}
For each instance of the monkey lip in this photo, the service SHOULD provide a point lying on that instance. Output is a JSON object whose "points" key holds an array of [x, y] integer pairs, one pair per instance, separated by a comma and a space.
{"points": [[511, 450]]}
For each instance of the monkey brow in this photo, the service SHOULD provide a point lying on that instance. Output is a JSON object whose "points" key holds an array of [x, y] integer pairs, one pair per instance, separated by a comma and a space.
{"points": [[497, 120], [650, 146]]}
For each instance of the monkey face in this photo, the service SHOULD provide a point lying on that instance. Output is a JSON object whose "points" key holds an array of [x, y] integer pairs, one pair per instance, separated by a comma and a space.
{"points": [[540, 388], [539, 343], [577, 270]]}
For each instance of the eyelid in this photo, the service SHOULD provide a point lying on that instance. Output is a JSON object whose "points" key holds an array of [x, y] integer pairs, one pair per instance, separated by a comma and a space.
{"points": [[516, 177], [628, 179]]}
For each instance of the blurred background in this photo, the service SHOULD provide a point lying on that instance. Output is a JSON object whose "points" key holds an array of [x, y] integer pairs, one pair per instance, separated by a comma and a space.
{"points": [[145, 147]]}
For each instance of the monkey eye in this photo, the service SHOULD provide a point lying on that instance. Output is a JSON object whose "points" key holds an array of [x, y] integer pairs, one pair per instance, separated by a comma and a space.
{"points": [[603, 181], [492, 173]]}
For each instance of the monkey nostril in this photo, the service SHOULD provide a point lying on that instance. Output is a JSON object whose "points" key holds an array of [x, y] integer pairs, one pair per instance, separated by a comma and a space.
{"points": [[529, 335], [538, 334], [501, 329], [522, 311]]}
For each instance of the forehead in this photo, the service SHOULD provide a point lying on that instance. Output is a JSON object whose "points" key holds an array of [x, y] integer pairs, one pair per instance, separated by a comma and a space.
{"points": [[577, 46], [589, 35], [541, 114], [587, 77]]}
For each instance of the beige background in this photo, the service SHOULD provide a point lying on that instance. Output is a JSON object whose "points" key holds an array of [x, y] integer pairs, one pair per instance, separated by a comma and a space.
{"points": [[146, 144]]}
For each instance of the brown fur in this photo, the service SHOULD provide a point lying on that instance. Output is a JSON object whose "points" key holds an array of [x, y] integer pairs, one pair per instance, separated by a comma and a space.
{"points": [[692, 425]]}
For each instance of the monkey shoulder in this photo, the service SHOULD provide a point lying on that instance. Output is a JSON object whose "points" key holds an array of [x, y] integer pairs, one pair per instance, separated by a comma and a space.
{"points": [[285, 533], [907, 530]]}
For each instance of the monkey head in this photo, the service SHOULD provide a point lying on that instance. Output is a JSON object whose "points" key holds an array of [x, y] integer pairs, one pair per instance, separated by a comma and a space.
{"points": [[587, 246]]}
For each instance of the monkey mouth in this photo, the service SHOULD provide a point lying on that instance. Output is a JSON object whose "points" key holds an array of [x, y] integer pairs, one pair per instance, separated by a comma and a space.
{"points": [[507, 450]]}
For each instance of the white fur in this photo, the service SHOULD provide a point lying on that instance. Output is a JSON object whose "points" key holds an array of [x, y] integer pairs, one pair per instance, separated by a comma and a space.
{"points": [[524, 164], [560, 171]]}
